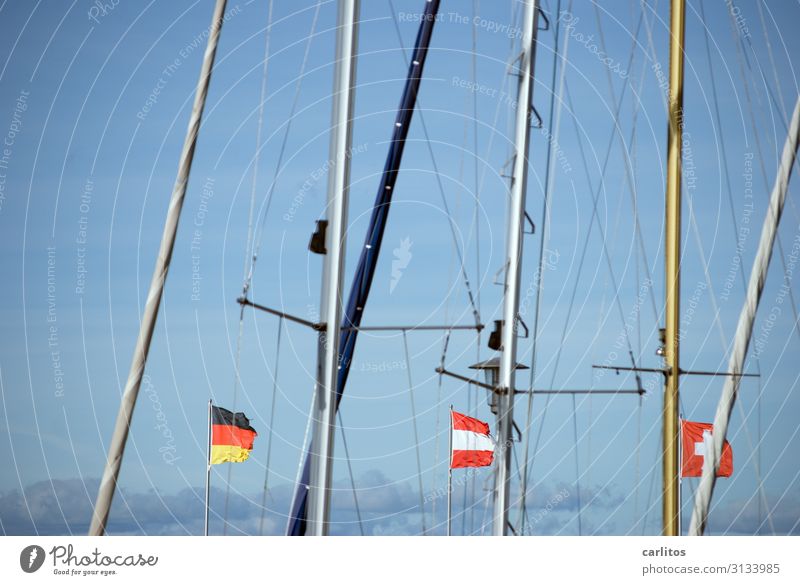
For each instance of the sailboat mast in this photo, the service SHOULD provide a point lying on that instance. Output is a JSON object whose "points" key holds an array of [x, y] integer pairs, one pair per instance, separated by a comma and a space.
{"points": [[367, 262], [516, 216], [117, 448], [671, 498], [324, 409]]}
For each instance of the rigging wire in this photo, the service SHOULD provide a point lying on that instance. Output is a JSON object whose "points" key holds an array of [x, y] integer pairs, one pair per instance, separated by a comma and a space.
{"points": [[738, 253], [654, 57], [486, 500], [606, 252], [781, 255], [637, 473], [470, 486], [630, 352], [577, 462], [641, 251], [514, 19], [696, 233], [304, 449], [475, 16], [456, 246], [445, 205], [784, 112], [271, 426], [650, 490], [781, 107], [597, 221], [582, 260], [416, 433], [438, 403], [516, 8], [350, 470], [694, 226], [248, 247], [753, 123], [450, 279], [626, 157], [516, 531], [282, 151], [260, 127], [629, 158], [549, 181], [503, 83]]}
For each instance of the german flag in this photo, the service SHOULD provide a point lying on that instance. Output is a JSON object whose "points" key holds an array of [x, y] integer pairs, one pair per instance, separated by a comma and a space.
{"points": [[231, 436]]}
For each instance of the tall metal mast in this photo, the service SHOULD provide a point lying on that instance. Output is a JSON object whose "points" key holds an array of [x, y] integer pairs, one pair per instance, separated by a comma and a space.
{"points": [[671, 503], [516, 217], [117, 448], [324, 409], [367, 262]]}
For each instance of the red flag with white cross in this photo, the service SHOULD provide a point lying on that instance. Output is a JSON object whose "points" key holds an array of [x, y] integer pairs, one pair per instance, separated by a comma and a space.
{"points": [[694, 436]]}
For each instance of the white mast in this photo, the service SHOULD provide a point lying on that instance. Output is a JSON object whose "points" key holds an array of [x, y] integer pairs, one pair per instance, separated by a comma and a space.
{"points": [[516, 216], [109, 482], [744, 330], [324, 410]]}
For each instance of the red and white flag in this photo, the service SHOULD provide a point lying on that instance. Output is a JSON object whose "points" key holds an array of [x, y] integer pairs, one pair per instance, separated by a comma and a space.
{"points": [[471, 443], [693, 438]]}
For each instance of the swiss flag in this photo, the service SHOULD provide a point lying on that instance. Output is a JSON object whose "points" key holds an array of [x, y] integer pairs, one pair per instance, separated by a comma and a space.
{"points": [[693, 435], [471, 443]]}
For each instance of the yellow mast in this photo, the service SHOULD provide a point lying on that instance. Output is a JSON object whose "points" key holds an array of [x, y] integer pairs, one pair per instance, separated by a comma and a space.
{"points": [[671, 504]]}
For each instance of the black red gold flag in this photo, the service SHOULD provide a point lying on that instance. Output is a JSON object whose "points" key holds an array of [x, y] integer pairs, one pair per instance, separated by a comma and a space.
{"points": [[231, 436]]}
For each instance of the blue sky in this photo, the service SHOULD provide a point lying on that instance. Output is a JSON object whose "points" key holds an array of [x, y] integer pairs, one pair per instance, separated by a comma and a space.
{"points": [[95, 103]]}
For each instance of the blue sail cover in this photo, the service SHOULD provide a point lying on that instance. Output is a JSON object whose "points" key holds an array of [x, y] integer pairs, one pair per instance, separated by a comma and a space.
{"points": [[371, 250]]}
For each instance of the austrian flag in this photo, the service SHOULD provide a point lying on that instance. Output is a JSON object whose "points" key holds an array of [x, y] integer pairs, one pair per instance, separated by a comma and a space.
{"points": [[471, 443]]}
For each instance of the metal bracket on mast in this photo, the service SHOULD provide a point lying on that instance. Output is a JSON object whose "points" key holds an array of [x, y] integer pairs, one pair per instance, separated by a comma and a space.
{"points": [[533, 225], [539, 122], [546, 20], [496, 280], [525, 327]]}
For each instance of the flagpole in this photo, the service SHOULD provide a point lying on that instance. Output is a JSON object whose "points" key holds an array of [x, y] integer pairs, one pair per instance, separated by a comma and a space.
{"points": [[450, 472], [208, 467], [680, 477]]}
